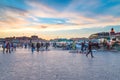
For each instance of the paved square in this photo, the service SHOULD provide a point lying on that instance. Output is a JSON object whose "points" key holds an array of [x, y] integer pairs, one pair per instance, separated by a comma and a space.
{"points": [[59, 65]]}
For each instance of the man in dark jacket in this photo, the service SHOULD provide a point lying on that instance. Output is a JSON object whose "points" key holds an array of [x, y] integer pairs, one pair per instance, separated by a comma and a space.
{"points": [[90, 49], [38, 46]]}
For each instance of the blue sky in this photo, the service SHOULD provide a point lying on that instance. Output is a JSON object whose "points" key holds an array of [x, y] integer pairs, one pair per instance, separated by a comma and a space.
{"points": [[64, 18]]}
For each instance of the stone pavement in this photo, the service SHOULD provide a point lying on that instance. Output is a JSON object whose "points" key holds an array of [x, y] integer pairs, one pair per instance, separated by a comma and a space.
{"points": [[59, 65]]}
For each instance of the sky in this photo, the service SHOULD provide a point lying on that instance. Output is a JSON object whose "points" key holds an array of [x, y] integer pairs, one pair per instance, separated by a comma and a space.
{"points": [[58, 18]]}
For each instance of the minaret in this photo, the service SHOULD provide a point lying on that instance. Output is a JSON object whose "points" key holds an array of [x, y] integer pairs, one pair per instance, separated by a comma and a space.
{"points": [[112, 31]]}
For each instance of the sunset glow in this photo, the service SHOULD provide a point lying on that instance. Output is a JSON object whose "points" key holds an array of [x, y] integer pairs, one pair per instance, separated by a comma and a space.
{"points": [[58, 18]]}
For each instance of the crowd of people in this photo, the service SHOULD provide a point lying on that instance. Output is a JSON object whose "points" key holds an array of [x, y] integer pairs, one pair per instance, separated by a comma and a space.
{"points": [[83, 47], [8, 47], [39, 46]]}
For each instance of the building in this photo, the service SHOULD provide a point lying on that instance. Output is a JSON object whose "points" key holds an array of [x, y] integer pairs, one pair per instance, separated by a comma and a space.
{"points": [[22, 39], [100, 35], [80, 39], [106, 35], [34, 37]]}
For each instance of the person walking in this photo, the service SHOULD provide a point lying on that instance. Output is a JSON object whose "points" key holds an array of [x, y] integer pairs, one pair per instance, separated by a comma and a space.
{"points": [[82, 46], [90, 49], [38, 46], [8, 48], [4, 46], [42, 46], [12, 46], [32, 47], [74, 45], [47, 45]]}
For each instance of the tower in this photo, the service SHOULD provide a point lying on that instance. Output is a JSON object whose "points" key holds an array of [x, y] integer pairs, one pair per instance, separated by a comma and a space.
{"points": [[112, 32]]}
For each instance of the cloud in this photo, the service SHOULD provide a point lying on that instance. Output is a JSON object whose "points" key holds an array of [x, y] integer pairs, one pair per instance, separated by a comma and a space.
{"points": [[40, 10], [42, 26], [38, 17], [73, 18], [12, 17]]}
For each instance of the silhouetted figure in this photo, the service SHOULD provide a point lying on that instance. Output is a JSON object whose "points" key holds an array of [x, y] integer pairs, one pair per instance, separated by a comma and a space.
{"points": [[4, 46], [25, 45], [82, 47], [46, 45], [90, 49], [12, 46], [38, 47], [8, 48], [32, 47], [42, 44], [54, 45]]}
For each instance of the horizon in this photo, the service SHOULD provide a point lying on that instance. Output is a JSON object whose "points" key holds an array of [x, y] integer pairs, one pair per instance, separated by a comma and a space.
{"points": [[50, 19], [110, 27]]}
